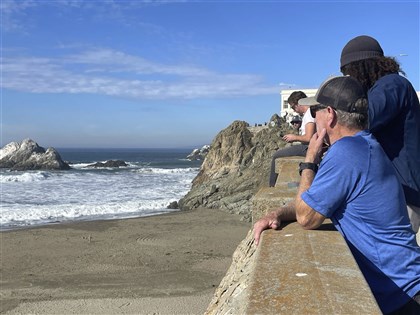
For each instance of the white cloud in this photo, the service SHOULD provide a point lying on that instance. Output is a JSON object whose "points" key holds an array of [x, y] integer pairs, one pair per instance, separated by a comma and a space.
{"points": [[110, 72], [116, 61], [113, 72], [14, 13]]}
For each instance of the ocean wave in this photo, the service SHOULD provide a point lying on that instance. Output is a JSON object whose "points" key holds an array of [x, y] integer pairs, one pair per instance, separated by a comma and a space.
{"points": [[138, 167], [24, 177], [79, 165], [43, 214], [83, 193], [89, 165], [167, 170]]}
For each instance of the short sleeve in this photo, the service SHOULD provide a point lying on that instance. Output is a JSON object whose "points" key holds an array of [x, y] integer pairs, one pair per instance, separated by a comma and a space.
{"points": [[338, 178]]}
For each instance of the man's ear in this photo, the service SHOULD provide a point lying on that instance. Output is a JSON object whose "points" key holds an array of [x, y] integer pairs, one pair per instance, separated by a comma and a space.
{"points": [[331, 117]]}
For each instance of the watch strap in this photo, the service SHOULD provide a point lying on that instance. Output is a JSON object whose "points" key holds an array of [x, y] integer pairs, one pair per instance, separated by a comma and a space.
{"points": [[308, 166]]}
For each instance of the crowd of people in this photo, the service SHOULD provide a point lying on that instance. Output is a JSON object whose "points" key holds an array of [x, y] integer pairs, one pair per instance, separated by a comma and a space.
{"points": [[361, 143]]}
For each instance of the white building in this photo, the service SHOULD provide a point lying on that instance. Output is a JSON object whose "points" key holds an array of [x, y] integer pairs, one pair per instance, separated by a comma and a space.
{"points": [[284, 95]]}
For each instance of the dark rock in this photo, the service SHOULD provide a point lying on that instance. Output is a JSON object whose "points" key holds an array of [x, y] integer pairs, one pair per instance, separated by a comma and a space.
{"points": [[235, 168], [173, 205], [110, 163], [28, 155]]}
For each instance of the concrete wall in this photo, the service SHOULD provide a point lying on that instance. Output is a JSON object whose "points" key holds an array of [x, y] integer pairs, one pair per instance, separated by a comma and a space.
{"points": [[292, 271]]}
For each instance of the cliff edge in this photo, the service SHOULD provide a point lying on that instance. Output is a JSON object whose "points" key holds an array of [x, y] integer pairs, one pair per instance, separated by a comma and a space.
{"points": [[236, 167]]}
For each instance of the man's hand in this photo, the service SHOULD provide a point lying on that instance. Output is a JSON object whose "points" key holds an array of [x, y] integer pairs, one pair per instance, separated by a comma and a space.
{"points": [[270, 221], [316, 147], [289, 137]]}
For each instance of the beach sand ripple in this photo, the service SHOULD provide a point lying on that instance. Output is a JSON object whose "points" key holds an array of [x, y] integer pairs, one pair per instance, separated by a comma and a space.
{"points": [[166, 264]]}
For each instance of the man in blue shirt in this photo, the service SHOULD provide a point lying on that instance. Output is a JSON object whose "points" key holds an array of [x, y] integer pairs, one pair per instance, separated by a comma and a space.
{"points": [[394, 113], [358, 189]]}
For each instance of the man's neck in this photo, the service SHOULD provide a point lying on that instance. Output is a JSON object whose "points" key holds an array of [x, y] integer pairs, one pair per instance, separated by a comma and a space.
{"points": [[340, 132]]}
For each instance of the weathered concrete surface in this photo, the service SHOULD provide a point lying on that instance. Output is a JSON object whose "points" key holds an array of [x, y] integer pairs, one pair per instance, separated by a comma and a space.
{"points": [[288, 170], [232, 294], [307, 272], [269, 198], [293, 271]]}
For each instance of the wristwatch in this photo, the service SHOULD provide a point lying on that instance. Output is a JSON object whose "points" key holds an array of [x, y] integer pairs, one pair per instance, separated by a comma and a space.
{"points": [[307, 166]]}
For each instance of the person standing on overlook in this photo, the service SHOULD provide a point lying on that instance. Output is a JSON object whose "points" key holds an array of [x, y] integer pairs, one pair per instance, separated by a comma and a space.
{"points": [[394, 113], [306, 131], [356, 187]]}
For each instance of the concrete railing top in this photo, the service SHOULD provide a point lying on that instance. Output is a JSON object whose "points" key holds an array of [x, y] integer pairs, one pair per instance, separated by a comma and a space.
{"points": [[301, 271], [297, 271], [292, 271]]}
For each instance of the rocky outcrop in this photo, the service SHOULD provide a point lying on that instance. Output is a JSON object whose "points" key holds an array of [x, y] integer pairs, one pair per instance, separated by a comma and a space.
{"points": [[276, 121], [236, 166], [110, 163], [28, 155], [173, 205], [199, 154]]}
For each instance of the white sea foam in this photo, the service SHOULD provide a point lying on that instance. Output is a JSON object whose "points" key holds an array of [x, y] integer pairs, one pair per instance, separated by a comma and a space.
{"points": [[166, 170], [37, 214], [80, 165], [39, 197], [23, 177]]}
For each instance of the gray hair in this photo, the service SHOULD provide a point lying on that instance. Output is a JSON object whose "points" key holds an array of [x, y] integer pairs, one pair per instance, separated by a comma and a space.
{"points": [[357, 120]]}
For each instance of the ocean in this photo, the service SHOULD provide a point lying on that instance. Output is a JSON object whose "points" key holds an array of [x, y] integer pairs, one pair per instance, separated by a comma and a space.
{"points": [[152, 180]]}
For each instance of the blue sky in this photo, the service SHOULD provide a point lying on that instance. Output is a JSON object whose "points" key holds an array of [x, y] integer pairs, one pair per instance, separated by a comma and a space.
{"points": [[143, 74]]}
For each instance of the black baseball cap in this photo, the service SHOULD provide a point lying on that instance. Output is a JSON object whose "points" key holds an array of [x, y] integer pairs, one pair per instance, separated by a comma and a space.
{"points": [[296, 119], [338, 92]]}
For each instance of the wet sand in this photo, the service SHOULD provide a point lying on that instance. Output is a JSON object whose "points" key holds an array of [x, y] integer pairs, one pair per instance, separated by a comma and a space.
{"points": [[166, 264]]}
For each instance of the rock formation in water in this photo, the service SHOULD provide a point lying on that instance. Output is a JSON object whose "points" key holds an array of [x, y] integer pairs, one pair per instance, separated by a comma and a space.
{"points": [[236, 167], [28, 155], [109, 163], [199, 154]]}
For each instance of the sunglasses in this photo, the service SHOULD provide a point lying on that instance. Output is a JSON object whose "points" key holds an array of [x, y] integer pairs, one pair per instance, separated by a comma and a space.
{"points": [[316, 108]]}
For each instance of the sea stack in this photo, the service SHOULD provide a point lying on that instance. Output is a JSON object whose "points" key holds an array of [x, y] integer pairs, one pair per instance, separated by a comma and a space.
{"points": [[28, 155]]}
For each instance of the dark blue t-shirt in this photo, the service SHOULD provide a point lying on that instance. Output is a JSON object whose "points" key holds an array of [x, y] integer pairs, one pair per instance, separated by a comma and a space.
{"points": [[356, 186], [394, 119]]}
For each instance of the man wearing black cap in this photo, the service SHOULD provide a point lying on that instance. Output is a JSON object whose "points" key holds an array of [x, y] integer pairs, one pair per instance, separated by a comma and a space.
{"points": [[356, 187], [394, 113], [296, 122]]}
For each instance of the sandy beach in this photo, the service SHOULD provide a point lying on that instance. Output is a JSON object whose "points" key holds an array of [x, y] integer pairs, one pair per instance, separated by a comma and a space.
{"points": [[166, 264]]}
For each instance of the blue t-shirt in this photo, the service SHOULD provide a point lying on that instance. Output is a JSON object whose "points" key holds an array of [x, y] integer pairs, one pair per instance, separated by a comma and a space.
{"points": [[394, 120], [357, 188]]}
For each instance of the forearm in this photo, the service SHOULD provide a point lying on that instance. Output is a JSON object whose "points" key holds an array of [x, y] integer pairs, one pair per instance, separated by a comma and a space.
{"points": [[307, 217], [285, 213], [303, 138]]}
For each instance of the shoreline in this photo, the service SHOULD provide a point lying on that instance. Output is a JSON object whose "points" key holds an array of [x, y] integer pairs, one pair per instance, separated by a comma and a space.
{"points": [[164, 264], [84, 220]]}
